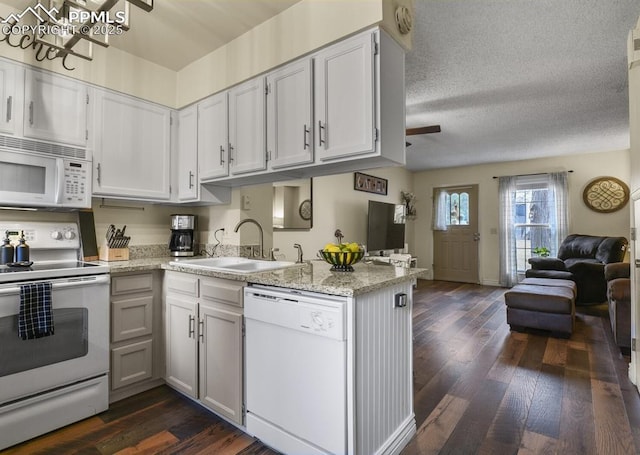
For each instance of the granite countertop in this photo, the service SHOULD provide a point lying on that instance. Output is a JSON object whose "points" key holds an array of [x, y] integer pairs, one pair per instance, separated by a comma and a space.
{"points": [[314, 276]]}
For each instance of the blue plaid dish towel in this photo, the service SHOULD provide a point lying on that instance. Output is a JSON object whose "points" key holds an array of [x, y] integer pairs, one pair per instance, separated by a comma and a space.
{"points": [[35, 319]]}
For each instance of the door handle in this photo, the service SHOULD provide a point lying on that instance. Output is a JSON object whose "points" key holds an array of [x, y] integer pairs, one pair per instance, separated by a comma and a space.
{"points": [[221, 156], [476, 236], [320, 130], [9, 108], [304, 136]]}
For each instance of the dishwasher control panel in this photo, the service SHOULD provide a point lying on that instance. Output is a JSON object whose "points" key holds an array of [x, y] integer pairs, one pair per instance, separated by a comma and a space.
{"points": [[321, 321]]}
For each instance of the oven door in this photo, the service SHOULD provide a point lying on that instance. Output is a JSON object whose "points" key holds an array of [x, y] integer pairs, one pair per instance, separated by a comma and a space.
{"points": [[78, 350]]}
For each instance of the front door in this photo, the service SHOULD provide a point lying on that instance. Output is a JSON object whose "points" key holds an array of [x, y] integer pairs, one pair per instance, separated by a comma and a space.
{"points": [[455, 242]]}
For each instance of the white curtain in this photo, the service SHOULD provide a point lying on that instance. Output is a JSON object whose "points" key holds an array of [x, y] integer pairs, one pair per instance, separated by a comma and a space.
{"points": [[439, 218], [558, 194], [507, 250]]}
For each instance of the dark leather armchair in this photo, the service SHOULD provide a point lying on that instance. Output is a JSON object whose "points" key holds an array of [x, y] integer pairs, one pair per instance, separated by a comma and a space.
{"points": [[619, 298], [582, 258]]}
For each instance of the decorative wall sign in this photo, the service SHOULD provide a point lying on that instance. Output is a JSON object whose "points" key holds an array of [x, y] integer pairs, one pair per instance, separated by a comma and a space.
{"points": [[369, 183], [606, 194], [305, 210]]}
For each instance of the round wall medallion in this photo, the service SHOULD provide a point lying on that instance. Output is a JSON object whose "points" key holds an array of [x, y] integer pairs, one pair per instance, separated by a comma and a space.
{"points": [[305, 210], [606, 194], [404, 20]]}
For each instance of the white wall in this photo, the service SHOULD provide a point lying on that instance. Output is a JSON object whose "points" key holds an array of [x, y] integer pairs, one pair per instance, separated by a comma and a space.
{"points": [[582, 220], [336, 205]]}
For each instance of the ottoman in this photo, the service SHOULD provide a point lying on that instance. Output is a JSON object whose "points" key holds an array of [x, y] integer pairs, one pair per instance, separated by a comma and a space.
{"points": [[542, 305]]}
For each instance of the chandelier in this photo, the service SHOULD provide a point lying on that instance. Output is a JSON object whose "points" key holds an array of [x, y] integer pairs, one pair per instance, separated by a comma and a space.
{"points": [[72, 27]]}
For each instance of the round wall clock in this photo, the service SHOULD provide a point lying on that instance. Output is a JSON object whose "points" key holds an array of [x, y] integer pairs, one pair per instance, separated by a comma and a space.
{"points": [[305, 210], [606, 194]]}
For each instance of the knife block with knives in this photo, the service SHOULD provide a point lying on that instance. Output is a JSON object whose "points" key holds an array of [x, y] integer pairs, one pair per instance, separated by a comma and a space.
{"points": [[116, 245]]}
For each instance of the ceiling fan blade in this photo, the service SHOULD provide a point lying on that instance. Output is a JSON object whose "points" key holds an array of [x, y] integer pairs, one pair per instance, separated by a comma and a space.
{"points": [[423, 130]]}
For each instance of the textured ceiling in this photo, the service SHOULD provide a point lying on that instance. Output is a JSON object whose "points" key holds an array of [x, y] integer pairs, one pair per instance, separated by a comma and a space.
{"points": [[518, 79]]}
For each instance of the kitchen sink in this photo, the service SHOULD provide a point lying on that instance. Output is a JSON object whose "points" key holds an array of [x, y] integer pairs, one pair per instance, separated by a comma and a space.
{"points": [[234, 264]]}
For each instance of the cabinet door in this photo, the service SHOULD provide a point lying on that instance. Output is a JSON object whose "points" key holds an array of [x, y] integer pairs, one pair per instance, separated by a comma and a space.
{"points": [[289, 127], [55, 108], [8, 100], [132, 148], [131, 317], [181, 345], [344, 99], [221, 361], [247, 146], [213, 137], [188, 154], [131, 364]]}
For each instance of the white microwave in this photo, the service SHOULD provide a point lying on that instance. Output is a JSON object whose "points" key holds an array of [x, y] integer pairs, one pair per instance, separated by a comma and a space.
{"points": [[33, 180]]}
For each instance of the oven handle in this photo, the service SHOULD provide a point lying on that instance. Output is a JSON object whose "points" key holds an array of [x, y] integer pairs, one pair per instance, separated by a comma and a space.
{"points": [[63, 284]]}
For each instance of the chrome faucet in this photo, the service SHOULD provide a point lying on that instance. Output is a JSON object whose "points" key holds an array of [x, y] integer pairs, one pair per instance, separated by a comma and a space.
{"points": [[251, 220], [299, 247]]}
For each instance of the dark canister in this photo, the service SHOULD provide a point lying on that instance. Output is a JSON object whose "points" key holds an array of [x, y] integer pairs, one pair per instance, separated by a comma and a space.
{"points": [[6, 250], [22, 250]]}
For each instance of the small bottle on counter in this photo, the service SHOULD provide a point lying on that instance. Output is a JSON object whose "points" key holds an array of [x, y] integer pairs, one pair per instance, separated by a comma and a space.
{"points": [[22, 250], [6, 250]]}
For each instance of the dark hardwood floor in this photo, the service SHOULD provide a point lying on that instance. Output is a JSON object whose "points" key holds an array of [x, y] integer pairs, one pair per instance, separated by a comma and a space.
{"points": [[479, 388]]}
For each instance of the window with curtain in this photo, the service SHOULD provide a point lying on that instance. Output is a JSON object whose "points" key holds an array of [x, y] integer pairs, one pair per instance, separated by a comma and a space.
{"points": [[533, 214]]}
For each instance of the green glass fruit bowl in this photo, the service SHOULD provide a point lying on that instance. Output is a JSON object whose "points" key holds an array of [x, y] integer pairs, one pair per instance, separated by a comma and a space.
{"points": [[341, 261]]}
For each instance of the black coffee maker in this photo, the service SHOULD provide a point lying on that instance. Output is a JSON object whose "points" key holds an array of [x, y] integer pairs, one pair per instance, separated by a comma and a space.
{"points": [[182, 241]]}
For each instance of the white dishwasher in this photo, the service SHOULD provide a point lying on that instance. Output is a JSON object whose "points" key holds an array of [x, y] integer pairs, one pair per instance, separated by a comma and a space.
{"points": [[296, 370]]}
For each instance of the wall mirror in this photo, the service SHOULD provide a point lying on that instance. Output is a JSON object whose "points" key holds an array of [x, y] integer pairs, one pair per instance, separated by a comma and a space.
{"points": [[293, 205]]}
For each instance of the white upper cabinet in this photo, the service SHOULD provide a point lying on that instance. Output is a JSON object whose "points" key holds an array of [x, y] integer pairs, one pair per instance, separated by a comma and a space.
{"points": [[289, 115], [344, 98], [213, 137], [188, 183], [247, 141], [10, 96], [132, 146], [55, 108]]}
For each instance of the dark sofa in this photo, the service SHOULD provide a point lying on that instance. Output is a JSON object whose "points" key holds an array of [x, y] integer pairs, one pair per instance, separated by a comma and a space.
{"points": [[619, 296], [581, 258]]}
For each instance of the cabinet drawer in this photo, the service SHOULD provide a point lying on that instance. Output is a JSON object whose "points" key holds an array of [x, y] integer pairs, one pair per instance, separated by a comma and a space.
{"points": [[131, 283], [182, 283], [131, 364], [131, 318], [221, 291]]}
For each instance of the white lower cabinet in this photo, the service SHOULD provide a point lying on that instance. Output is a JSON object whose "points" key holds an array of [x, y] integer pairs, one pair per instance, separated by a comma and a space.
{"points": [[136, 334], [204, 341]]}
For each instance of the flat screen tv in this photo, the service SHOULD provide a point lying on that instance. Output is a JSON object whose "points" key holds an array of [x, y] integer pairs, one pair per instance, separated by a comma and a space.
{"points": [[385, 226]]}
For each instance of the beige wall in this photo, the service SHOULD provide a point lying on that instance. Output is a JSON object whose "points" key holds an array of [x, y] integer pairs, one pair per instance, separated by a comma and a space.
{"points": [[298, 30], [582, 220], [336, 205]]}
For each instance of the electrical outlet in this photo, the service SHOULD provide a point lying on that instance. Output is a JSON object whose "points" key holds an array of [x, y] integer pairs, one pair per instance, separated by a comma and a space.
{"points": [[246, 202]]}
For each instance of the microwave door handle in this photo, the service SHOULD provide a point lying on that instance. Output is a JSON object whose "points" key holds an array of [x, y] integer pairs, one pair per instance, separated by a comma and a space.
{"points": [[59, 180]]}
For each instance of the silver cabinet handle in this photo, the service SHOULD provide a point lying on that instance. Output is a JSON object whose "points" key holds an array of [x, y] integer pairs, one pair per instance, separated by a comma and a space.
{"points": [[99, 178], [201, 330], [304, 136], [320, 130], [190, 179], [192, 326], [9, 108], [221, 156], [31, 113], [230, 153]]}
